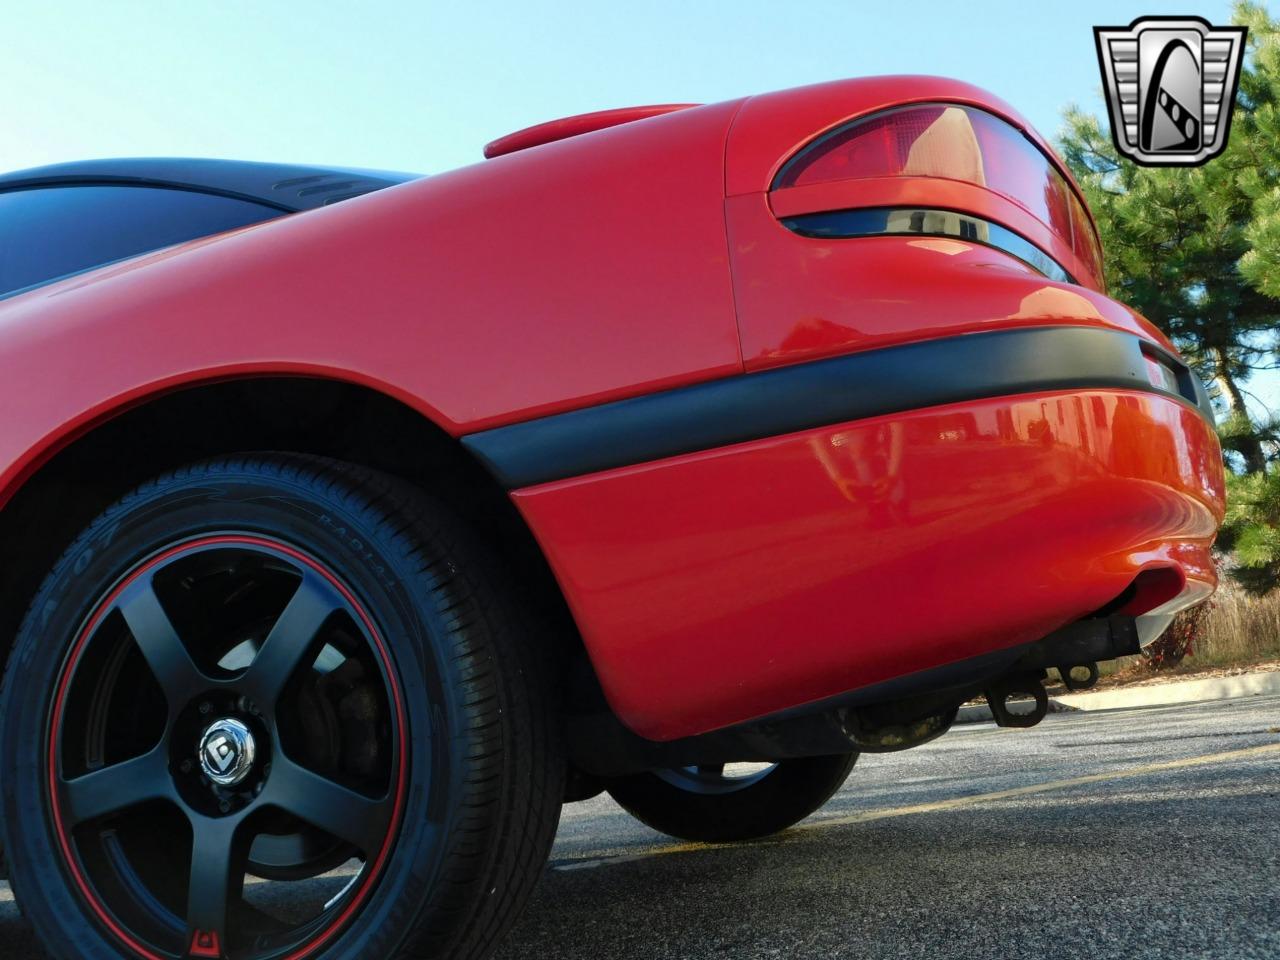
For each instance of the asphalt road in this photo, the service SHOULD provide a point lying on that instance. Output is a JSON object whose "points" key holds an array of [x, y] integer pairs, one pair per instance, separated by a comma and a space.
{"points": [[1127, 834]]}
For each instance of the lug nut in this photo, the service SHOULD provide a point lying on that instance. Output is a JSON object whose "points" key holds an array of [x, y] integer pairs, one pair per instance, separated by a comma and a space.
{"points": [[224, 806], [186, 766], [206, 709]]}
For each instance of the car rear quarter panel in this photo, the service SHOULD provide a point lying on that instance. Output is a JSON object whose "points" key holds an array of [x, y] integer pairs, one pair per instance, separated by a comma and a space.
{"points": [[576, 272]]}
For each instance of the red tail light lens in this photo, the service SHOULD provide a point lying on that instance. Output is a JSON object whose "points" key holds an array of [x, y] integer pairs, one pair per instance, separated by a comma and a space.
{"points": [[953, 142]]}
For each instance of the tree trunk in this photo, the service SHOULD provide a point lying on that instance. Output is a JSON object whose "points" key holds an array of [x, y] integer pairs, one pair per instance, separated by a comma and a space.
{"points": [[1255, 460]]}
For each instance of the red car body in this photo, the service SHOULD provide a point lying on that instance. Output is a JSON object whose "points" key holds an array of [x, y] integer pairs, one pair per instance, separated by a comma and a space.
{"points": [[599, 320]]}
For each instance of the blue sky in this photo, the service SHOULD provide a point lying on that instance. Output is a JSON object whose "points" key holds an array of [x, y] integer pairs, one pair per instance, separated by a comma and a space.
{"points": [[424, 85]]}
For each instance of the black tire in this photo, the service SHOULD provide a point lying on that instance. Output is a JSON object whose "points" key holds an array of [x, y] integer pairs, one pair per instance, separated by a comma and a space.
{"points": [[703, 805], [471, 802]]}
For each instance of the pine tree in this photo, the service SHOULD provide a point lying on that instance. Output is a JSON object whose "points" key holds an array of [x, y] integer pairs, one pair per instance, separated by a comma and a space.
{"points": [[1197, 250]]}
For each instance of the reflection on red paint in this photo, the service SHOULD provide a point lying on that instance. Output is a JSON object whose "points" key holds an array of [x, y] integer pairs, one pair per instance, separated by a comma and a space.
{"points": [[800, 298], [717, 587]]}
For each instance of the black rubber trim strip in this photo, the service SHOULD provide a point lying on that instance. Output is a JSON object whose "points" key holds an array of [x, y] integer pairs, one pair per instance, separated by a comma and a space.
{"points": [[880, 222], [871, 383]]}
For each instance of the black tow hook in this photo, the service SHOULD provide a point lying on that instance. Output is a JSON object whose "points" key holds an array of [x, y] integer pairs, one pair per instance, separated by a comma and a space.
{"points": [[1018, 687], [1080, 676]]}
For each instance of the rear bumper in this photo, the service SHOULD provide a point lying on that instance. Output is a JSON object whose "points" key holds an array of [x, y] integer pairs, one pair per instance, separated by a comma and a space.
{"points": [[718, 586], [1007, 361]]}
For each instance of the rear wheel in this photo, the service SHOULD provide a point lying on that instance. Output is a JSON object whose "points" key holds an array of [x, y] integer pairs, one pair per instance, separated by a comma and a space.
{"points": [[276, 707], [723, 803]]}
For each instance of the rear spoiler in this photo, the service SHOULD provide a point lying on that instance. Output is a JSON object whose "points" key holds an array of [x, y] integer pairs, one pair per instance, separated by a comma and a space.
{"points": [[567, 127]]}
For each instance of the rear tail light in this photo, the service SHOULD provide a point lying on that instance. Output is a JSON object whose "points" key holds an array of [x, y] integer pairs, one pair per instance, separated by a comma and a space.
{"points": [[953, 142]]}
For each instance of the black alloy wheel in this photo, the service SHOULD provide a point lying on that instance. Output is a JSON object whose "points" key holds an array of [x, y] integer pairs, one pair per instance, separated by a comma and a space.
{"points": [[255, 678], [288, 665]]}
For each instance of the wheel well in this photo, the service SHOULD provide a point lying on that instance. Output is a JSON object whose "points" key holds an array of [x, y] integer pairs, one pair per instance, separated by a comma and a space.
{"points": [[295, 414]]}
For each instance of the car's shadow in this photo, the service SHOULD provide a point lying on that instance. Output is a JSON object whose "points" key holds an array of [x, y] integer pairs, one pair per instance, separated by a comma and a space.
{"points": [[1177, 868], [1144, 873]]}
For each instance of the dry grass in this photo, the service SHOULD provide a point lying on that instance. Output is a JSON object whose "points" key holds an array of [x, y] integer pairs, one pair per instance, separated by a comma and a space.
{"points": [[1241, 629]]}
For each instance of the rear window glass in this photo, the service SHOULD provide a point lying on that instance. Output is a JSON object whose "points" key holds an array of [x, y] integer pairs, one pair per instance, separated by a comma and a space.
{"points": [[52, 232]]}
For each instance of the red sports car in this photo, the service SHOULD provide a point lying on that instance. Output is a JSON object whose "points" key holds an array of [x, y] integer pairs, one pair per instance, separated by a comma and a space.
{"points": [[342, 543]]}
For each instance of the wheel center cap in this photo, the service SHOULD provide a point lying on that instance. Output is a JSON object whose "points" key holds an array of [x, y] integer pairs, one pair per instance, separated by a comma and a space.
{"points": [[227, 752]]}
